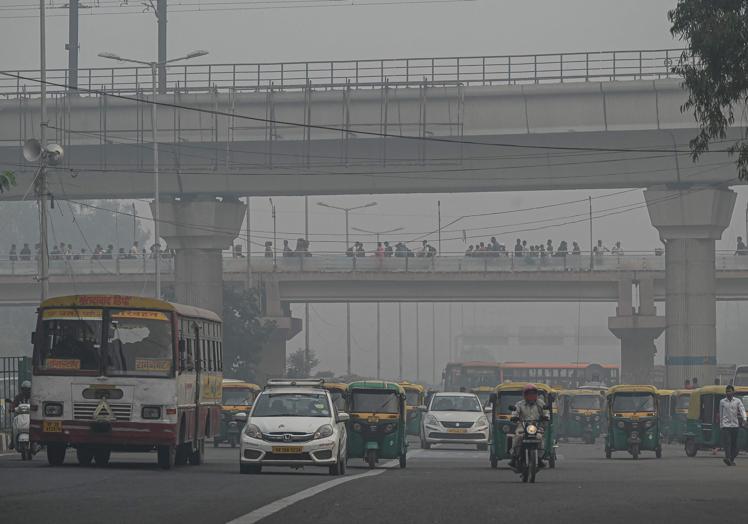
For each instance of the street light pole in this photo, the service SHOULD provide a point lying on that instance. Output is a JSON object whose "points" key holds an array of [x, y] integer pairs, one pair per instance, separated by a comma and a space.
{"points": [[42, 182], [400, 339], [347, 210], [155, 66]]}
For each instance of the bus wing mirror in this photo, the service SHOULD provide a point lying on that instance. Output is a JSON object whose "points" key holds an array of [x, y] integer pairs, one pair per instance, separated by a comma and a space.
{"points": [[33, 337]]}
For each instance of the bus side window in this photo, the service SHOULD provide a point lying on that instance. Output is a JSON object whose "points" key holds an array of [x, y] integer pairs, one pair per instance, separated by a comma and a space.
{"points": [[220, 356], [190, 356], [182, 354]]}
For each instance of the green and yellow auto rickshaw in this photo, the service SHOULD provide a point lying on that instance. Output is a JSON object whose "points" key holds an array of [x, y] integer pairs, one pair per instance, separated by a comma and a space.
{"points": [[483, 393], [377, 425], [501, 402], [679, 417], [339, 393], [633, 423], [415, 400], [665, 407], [238, 397], [702, 427], [580, 415]]}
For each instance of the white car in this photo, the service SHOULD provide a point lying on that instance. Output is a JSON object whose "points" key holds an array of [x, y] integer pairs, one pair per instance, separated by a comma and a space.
{"points": [[294, 423], [454, 418]]}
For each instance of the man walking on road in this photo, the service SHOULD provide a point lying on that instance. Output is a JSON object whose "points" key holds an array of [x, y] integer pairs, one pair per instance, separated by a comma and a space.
{"points": [[731, 417]]}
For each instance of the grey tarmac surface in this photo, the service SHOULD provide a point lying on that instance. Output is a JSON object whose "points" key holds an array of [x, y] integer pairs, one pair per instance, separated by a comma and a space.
{"points": [[444, 485]]}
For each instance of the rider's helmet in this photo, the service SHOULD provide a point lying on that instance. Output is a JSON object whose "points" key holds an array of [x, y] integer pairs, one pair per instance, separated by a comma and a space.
{"points": [[530, 393], [26, 386]]}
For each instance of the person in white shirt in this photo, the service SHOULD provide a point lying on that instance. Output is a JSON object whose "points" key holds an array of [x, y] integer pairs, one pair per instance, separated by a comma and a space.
{"points": [[731, 417]]}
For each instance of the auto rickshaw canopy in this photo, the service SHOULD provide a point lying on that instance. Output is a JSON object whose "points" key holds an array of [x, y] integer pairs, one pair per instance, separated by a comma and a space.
{"points": [[694, 408]]}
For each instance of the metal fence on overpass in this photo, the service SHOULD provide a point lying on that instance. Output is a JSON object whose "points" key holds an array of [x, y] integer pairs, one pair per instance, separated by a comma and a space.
{"points": [[335, 262], [362, 74]]}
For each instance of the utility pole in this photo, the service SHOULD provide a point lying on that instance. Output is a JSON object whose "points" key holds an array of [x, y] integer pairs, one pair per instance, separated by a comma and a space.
{"points": [[42, 181], [161, 17], [400, 339], [379, 342], [306, 304], [73, 46], [418, 344], [433, 342]]}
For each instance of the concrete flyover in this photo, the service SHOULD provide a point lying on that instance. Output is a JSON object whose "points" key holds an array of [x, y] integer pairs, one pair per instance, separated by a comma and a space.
{"points": [[577, 121]]}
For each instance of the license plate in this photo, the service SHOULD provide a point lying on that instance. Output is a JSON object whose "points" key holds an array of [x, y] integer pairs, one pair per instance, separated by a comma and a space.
{"points": [[52, 426], [456, 431], [287, 449]]}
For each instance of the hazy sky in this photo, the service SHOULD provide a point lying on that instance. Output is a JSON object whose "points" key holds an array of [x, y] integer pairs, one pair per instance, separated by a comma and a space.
{"points": [[482, 27]]}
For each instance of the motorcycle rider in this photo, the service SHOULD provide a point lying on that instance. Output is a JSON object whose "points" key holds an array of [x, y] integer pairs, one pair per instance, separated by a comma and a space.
{"points": [[23, 397], [529, 409]]}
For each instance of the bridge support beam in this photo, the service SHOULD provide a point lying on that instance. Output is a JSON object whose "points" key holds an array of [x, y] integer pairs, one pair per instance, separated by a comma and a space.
{"points": [[689, 221], [272, 361], [198, 230], [637, 329]]}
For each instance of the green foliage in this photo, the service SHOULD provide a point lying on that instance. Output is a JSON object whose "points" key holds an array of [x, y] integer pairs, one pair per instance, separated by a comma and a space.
{"points": [[298, 366], [244, 332], [7, 180], [715, 70]]}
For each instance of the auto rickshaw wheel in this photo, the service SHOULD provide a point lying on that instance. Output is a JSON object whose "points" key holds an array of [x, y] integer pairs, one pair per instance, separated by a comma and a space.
{"points": [[234, 442], [371, 458], [494, 461], [658, 453], [215, 442], [691, 448], [552, 460], [84, 455], [403, 461], [635, 451], [102, 456], [608, 453]]}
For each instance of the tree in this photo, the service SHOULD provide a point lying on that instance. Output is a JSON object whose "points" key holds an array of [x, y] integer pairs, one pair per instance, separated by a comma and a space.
{"points": [[7, 180], [244, 332], [298, 366], [715, 70]]}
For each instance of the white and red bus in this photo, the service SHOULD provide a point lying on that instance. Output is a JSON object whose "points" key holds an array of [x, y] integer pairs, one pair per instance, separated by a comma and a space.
{"points": [[125, 373]]}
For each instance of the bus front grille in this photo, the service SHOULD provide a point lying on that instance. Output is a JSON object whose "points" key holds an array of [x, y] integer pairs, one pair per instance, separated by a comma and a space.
{"points": [[85, 410]]}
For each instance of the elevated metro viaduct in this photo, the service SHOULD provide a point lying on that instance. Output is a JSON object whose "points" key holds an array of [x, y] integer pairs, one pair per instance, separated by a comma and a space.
{"points": [[588, 120], [636, 323]]}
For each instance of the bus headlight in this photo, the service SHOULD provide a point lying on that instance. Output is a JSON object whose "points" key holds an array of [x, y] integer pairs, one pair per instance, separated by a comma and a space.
{"points": [[52, 409], [151, 412]]}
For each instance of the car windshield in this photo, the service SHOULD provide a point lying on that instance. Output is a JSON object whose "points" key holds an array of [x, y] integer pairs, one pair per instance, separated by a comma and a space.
{"points": [[140, 344], [384, 401], [413, 398], [270, 404], [70, 341], [632, 402], [585, 402], [455, 403], [683, 401], [506, 399], [237, 397]]}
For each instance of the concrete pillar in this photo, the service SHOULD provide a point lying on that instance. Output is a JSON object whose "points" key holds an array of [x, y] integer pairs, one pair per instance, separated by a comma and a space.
{"points": [[272, 361], [689, 221], [637, 329], [199, 229]]}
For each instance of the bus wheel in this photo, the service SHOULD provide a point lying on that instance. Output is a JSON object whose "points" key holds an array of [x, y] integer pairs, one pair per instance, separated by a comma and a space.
{"points": [[691, 448], [183, 452], [494, 461], [196, 457], [167, 456], [85, 456], [101, 456], [56, 453]]}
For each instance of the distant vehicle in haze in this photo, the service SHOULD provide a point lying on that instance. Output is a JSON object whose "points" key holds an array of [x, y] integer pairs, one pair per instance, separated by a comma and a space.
{"points": [[466, 376], [741, 376], [455, 418]]}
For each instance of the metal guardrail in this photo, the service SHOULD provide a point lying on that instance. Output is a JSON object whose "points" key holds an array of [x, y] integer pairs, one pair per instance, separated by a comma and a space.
{"points": [[322, 263], [362, 74], [13, 370]]}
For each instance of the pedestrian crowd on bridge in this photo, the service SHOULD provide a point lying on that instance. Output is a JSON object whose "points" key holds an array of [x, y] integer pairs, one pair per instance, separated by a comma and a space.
{"points": [[65, 251]]}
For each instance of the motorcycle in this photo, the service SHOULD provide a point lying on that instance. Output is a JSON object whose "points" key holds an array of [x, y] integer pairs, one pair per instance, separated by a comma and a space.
{"points": [[527, 462], [21, 435]]}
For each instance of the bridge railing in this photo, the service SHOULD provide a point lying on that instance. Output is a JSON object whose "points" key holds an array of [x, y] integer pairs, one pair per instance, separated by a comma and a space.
{"points": [[336, 262], [361, 74]]}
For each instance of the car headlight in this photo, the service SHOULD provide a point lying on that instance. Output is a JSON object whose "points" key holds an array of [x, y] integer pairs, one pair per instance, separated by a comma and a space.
{"points": [[323, 431], [253, 431], [151, 412], [481, 422], [531, 429], [52, 409], [431, 420]]}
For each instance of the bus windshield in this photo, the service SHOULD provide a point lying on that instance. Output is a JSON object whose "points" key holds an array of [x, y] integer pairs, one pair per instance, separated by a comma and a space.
{"points": [[237, 397], [586, 402], [374, 402], [633, 402], [140, 344], [69, 342]]}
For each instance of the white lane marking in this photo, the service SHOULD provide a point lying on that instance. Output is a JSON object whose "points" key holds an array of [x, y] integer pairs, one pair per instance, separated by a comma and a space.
{"points": [[280, 504]]}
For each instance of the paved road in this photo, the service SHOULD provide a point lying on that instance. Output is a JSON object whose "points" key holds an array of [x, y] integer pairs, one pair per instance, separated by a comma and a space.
{"points": [[452, 486]]}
